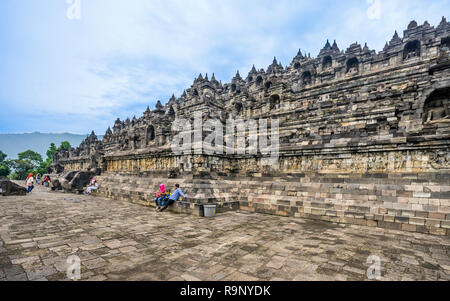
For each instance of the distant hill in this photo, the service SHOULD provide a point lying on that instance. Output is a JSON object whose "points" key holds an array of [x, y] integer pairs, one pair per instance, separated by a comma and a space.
{"points": [[13, 144]]}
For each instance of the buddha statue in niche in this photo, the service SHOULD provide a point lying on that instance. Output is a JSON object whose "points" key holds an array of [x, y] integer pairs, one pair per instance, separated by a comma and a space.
{"points": [[437, 111]]}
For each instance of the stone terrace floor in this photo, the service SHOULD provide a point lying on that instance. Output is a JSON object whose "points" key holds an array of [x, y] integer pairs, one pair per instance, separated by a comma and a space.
{"points": [[123, 241]]}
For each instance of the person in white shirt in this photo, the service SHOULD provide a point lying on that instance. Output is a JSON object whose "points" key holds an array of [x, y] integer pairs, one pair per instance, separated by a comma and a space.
{"points": [[94, 186], [30, 183]]}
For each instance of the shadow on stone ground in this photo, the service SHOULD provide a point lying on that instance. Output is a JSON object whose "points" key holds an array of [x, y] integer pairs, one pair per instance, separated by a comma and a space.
{"points": [[123, 241]]}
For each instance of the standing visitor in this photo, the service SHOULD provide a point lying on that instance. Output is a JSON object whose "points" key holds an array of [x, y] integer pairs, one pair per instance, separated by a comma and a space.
{"points": [[30, 183]]}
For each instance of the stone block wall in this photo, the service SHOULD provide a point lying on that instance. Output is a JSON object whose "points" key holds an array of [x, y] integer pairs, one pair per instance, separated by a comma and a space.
{"points": [[141, 190], [415, 202], [410, 202]]}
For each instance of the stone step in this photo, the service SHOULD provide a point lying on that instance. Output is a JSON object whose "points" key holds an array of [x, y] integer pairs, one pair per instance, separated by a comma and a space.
{"points": [[433, 188], [406, 198], [416, 203], [178, 207]]}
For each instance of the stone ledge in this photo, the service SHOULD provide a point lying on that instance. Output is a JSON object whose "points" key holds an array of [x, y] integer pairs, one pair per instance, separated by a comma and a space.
{"points": [[183, 206], [429, 226], [323, 197]]}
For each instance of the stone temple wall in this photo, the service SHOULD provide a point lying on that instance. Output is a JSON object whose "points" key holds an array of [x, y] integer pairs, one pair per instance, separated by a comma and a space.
{"points": [[364, 136], [410, 202]]}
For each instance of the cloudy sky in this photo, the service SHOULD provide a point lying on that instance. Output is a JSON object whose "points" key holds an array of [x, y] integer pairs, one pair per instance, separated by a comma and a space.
{"points": [[61, 73]]}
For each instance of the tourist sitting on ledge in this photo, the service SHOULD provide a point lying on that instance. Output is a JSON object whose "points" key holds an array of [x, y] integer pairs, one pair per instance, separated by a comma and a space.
{"points": [[173, 197], [159, 196], [30, 183], [94, 186]]}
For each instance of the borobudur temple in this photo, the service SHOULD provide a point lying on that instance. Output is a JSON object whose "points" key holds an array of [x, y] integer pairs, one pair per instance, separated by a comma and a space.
{"points": [[364, 139]]}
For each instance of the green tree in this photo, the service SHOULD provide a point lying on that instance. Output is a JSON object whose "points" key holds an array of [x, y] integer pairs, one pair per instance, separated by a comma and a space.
{"points": [[27, 162], [21, 169], [65, 145], [2, 156], [51, 151], [43, 167], [5, 170], [31, 156]]}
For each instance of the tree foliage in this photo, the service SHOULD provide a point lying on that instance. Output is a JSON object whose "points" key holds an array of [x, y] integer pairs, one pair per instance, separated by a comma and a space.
{"points": [[32, 156], [65, 145], [2, 156], [29, 162], [5, 170], [51, 151], [21, 169]]}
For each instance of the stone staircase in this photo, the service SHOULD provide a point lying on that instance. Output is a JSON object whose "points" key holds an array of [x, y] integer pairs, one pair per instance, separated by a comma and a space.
{"points": [[409, 202], [141, 190]]}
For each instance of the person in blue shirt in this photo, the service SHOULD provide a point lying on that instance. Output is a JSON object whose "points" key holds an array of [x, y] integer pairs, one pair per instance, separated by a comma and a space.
{"points": [[173, 197]]}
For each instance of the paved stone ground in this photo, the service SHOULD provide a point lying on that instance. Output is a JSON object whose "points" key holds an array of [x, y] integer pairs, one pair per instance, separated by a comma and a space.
{"points": [[123, 241]]}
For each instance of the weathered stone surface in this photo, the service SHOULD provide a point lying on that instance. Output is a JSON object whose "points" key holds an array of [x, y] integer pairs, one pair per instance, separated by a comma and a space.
{"points": [[11, 188], [232, 246], [77, 182], [56, 185]]}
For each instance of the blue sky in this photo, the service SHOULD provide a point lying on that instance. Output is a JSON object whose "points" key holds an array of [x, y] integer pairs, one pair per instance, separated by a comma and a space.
{"points": [[64, 75]]}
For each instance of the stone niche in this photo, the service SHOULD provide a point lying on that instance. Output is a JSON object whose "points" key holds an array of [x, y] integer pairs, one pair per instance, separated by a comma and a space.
{"points": [[436, 109], [445, 44], [411, 50], [352, 66]]}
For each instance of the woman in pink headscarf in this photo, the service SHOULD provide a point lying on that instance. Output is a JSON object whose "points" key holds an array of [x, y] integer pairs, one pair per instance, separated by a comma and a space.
{"points": [[159, 196]]}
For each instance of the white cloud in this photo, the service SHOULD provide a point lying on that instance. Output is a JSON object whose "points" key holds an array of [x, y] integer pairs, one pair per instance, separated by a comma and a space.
{"points": [[122, 55]]}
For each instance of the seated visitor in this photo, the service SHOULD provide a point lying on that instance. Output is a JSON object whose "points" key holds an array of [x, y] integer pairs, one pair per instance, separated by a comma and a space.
{"points": [[94, 186], [46, 181], [159, 196], [173, 197], [30, 183]]}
